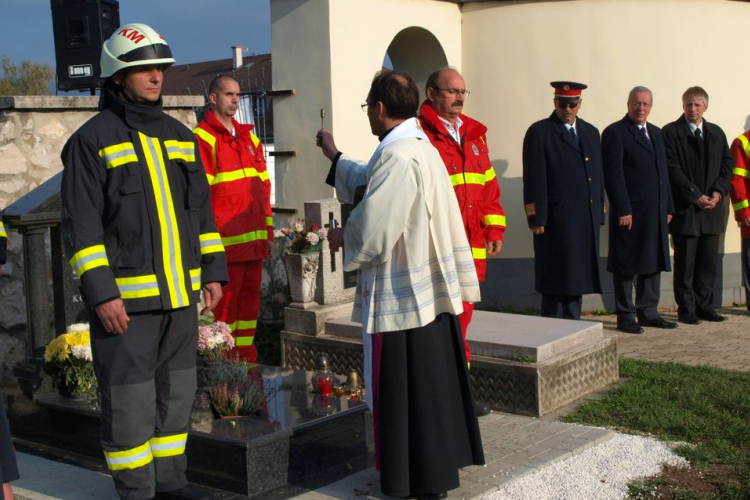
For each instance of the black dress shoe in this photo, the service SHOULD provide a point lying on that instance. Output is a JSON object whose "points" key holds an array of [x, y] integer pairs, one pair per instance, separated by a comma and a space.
{"points": [[481, 409], [185, 493], [659, 322], [628, 326], [711, 316], [688, 318]]}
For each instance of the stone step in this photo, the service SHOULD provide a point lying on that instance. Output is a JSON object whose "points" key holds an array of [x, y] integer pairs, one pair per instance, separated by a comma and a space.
{"points": [[508, 336]]}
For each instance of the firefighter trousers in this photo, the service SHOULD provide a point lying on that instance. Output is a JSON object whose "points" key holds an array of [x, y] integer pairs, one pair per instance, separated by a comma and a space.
{"points": [[240, 304], [147, 384]]}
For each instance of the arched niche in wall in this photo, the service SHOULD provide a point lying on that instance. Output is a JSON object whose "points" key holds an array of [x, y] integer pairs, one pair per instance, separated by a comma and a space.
{"points": [[416, 51]]}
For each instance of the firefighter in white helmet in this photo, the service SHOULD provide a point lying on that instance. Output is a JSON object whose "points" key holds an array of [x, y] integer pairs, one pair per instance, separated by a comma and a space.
{"points": [[140, 234]]}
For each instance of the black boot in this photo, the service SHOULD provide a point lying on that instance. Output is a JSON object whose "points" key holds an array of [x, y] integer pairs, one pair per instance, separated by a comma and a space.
{"points": [[482, 409], [185, 493]]}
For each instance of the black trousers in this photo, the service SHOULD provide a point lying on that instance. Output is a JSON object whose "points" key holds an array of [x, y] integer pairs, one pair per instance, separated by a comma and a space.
{"points": [[147, 382], [745, 257], [8, 465], [646, 295], [694, 274], [561, 306]]}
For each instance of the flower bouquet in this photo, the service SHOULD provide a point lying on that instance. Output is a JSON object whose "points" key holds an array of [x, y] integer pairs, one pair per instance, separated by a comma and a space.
{"points": [[304, 240], [71, 354], [214, 340]]}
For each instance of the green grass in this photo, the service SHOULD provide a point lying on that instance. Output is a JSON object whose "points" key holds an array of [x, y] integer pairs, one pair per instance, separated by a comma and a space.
{"points": [[706, 407]]}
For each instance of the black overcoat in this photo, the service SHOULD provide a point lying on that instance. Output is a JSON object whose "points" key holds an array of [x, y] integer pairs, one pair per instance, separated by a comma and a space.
{"points": [[637, 183], [563, 191], [690, 179]]}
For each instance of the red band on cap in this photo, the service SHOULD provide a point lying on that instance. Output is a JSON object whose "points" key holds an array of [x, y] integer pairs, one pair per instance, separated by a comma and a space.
{"points": [[563, 92]]}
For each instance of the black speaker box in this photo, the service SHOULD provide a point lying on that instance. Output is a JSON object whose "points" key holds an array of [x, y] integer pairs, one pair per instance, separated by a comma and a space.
{"points": [[80, 28]]}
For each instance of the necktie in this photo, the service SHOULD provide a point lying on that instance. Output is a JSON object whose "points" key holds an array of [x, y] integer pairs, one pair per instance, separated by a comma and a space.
{"points": [[645, 134], [699, 137], [575, 136]]}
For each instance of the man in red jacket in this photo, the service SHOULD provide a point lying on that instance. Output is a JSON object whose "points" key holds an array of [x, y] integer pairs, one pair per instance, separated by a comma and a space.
{"points": [[739, 193], [462, 145], [241, 200]]}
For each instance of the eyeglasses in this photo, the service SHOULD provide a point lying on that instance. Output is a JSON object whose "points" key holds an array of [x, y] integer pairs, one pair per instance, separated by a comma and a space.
{"points": [[571, 105], [364, 106], [455, 92]]}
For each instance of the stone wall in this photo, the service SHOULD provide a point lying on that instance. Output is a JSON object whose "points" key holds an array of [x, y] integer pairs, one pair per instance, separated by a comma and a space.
{"points": [[33, 131]]}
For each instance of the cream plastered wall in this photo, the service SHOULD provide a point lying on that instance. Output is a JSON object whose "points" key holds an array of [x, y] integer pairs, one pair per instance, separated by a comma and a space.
{"points": [[328, 51], [512, 50]]}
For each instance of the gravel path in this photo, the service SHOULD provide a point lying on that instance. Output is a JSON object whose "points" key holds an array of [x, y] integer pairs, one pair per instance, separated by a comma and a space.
{"points": [[601, 472]]}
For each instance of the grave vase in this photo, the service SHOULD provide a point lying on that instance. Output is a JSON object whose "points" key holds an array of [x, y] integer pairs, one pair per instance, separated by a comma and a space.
{"points": [[301, 272]]}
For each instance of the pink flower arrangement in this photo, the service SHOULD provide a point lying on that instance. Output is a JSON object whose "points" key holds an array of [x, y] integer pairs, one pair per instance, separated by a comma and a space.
{"points": [[214, 340], [304, 240]]}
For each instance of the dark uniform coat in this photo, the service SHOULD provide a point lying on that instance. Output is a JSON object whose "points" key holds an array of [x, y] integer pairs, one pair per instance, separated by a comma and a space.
{"points": [[563, 190], [690, 179], [136, 210], [637, 182]]}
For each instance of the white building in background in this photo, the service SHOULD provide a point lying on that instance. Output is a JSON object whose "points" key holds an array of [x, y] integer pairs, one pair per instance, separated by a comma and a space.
{"points": [[327, 52]]}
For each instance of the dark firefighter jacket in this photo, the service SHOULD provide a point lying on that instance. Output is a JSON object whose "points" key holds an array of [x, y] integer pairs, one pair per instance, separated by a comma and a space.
{"points": [[136, 209]]}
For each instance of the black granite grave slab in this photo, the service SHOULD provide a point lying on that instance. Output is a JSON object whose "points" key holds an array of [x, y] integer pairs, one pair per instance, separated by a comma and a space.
{"points": [[298, 440]]}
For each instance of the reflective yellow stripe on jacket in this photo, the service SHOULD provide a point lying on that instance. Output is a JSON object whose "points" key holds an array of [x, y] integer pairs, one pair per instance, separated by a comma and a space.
{"points": [[235, 175], [211, 140], [88, 259], [177, 150], [479, 253], [494, 220], [740, 205], [118, 154], [489, 175], [138, 287], [3, 234], [459, 179], [195, 279], [129, 459], [210, 243], [245, 238], [168, 446], [269, 221], [169, 231]]}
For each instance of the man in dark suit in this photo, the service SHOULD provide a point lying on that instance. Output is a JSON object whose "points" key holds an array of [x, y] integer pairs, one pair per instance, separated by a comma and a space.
{"points": [[563, 195], [700, 171], [640, 208]]}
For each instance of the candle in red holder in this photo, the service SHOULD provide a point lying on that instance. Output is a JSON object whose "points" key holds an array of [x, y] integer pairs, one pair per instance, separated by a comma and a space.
{"points": [[325, 385], [323, 379]]}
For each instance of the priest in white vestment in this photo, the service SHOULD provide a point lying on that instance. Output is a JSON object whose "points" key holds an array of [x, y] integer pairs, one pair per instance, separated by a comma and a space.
{"points": [[407, 241]]}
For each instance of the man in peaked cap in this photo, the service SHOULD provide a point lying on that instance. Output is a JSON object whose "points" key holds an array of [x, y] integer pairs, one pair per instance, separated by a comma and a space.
{"points": [[563, 192]]}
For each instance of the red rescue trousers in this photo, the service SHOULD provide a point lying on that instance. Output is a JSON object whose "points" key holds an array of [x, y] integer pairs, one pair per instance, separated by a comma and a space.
{"points": [[465, 319], [240, 304]]}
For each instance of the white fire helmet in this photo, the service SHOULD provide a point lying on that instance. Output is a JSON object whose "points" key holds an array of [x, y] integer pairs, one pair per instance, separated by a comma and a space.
{"points": [[134, 45]]}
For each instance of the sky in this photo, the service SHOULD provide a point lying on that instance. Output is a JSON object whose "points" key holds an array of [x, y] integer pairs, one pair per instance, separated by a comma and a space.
{"points": [[195, 30]]}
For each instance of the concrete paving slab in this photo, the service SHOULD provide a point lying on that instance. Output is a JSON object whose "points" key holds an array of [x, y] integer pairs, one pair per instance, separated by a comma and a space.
{"points": [[513, 446]]}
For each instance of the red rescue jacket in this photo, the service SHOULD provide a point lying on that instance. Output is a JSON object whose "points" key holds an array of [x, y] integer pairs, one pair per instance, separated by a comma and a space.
{"points": [[240, 187], [740, 151], [473, 179]]}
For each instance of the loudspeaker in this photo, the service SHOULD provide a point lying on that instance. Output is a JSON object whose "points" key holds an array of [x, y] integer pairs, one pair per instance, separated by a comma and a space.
{"points": [[80, 28]]}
